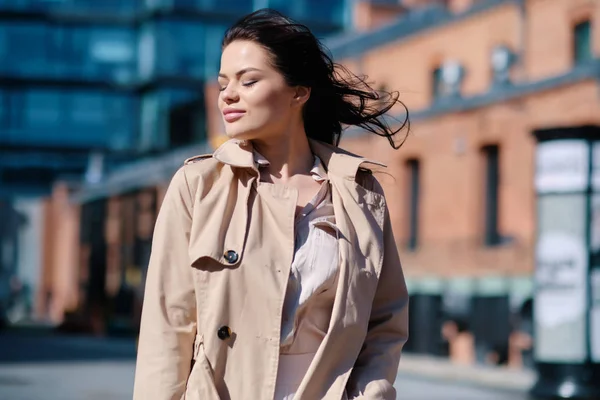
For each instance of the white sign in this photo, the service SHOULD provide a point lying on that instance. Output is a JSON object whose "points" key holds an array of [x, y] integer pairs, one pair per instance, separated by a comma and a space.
{"points": [[561, 273], [560, 298], [595, 315], [596, 166], [562, 166]]}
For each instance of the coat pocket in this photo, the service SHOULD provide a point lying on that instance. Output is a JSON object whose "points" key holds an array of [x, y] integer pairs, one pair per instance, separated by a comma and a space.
{"points": [[201, 382]]}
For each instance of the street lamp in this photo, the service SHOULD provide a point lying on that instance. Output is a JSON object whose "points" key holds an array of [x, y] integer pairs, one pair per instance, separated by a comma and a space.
{"points": [[567, 264]]}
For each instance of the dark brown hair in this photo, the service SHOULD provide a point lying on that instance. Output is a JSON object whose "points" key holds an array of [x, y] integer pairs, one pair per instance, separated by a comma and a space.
{"points": [[338, 97]]}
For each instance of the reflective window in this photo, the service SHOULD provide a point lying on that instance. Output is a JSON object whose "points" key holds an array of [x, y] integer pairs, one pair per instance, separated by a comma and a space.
{"points": [[224, 6], [221, 6], [106, 6], [3, 113], [582, 46], [112, 53], [147, 51], [187, 4], [214, 38], [26, 44], [3, 47], [323, 12], [330, 12], [88, 109], [437, 83], [414, 199], [292, 9], [42, 108], [172, 117], [152, 4], [181, 48], [37, 49], [73, 118], [240, 6]]}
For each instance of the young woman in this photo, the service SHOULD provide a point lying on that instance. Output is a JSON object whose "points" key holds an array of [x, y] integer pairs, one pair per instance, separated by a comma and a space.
{"points": [[274, 272]]}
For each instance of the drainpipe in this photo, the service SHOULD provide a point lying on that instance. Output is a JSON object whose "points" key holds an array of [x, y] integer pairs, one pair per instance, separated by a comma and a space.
{"points": [[522, 50]]}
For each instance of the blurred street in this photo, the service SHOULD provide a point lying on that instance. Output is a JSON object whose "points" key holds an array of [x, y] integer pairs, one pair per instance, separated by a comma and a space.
{"points": [[52, 367], [492, 184]]}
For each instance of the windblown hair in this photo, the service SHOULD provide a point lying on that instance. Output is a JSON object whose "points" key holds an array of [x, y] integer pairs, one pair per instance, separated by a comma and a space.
{"points": [[338, 97]]}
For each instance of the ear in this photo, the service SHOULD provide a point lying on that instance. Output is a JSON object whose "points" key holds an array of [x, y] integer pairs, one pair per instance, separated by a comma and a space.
{"points": [[301, 95]]}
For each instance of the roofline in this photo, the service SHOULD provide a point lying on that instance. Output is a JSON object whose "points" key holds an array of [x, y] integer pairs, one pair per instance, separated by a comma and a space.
{"points": [[355, 44], [160, 169], [502, 93], [139, 174], [496, 94]]}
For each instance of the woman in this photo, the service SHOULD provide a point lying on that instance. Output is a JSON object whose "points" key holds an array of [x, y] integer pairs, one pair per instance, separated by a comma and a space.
{"points": [[274, 272]]}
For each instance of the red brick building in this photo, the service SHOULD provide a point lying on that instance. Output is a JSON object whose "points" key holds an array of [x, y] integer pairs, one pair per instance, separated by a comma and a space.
{"points": [[478, 77]]}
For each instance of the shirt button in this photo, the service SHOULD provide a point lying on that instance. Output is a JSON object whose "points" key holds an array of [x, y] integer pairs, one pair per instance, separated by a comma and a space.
{"points": [[224, 332], [231, 256]]}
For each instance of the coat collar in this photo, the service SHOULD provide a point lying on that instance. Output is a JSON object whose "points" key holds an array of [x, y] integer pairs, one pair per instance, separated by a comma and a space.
{"points": [[240, 153]]}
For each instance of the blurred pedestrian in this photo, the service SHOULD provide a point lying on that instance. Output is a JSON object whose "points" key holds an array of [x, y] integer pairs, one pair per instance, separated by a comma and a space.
{"points": [[274, 272]]}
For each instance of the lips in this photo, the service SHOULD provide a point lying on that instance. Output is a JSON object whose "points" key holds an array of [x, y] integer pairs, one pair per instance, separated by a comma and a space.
{"points": [[232, 115]]}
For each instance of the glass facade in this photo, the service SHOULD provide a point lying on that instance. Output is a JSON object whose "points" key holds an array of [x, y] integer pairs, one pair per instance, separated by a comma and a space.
{"points": [[118, 76], [112, 7], [68, 119], [42, 50]]}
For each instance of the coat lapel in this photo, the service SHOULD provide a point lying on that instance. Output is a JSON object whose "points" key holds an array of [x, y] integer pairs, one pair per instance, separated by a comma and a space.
{"points": [[359, 213], [219, 224]]}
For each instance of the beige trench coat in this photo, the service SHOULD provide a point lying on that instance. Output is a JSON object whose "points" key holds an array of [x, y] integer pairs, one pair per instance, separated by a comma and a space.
{"points": [[220, 264]]}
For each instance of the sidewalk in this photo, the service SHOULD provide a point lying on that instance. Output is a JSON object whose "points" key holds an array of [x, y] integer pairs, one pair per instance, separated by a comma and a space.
{"points": [[39, 346], [441, 369]]}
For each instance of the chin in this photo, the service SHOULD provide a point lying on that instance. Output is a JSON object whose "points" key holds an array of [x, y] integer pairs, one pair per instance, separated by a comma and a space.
{"points": [[241, 134]]}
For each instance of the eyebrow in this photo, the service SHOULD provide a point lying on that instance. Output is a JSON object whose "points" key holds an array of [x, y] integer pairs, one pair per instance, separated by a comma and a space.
{"points": [[240, 72]]}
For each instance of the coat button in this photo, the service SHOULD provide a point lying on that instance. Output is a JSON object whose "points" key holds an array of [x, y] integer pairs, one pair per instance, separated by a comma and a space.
{"points": [[224, 332], [231, 256]]}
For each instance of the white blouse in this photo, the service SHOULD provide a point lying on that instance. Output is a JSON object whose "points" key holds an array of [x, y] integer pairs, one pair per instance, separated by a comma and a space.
{"points": [[313, 276], [311, 286]]}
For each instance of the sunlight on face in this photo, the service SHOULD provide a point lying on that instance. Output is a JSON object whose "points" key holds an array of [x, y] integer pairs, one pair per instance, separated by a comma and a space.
{"points": [[255, 101]]}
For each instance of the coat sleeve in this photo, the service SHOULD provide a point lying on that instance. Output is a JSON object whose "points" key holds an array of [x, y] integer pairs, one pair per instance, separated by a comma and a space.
{"points": [[375, 370], [168, 322]]}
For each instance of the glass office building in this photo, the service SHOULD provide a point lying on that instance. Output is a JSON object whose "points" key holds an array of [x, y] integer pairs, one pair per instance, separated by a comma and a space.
{"points": [[113, 80]]}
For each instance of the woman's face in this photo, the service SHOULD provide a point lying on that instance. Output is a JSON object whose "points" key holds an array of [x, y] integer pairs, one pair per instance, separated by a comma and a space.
{"points": [[255, 101]]}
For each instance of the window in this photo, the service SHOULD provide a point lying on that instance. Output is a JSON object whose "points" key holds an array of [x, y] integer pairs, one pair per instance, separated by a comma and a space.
{"points": [[87, 109], [414, 172], [27, 46], [43, 108], [491, 235], [502, 59], [582, 46], [437, 83], [212, 46], [328, 12], [183, 124], [70, 118], [147, 52], [238, 7], [3, 112], [181, 49], [382, 91], [186, 118], [3, 44]]}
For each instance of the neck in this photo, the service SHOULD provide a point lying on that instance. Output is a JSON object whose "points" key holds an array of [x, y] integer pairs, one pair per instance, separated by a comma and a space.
{"points": [[288, 155]]}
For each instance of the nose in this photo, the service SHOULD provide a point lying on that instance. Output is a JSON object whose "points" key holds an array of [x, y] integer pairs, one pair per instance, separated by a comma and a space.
{"points": [[229, 94]]}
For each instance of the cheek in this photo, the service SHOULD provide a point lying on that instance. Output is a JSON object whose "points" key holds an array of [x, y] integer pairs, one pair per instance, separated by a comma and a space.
{"points": [[272, 105]]}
